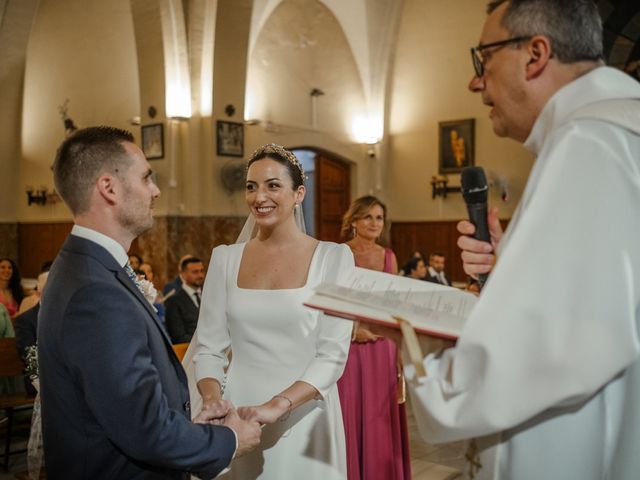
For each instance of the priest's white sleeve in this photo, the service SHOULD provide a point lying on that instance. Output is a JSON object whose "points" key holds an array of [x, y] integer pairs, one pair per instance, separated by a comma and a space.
{"points": [[558, 317]]}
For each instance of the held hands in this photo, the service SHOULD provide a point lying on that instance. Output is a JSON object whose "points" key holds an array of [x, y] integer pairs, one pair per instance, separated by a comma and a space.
{"points": [[248, 432], [222, 412], [214, 412], [477, 256]]}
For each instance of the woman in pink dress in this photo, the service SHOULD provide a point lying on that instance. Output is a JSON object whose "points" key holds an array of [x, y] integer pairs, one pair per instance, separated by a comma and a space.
{"points": [[11, 293], [373, 412]]}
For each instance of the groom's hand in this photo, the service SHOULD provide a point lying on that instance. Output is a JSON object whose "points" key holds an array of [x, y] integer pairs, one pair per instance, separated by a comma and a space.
{"points": [[214, 412], [247, 432]]}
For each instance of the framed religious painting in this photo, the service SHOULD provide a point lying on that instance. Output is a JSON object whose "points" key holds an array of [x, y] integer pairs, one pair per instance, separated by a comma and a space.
{"points": [[457, 145], [230, 138], [153, 141]]}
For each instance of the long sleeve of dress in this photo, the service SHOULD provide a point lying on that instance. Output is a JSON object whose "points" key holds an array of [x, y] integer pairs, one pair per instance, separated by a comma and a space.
{"points": [[213, 338], [558, 319], [333, 334]]}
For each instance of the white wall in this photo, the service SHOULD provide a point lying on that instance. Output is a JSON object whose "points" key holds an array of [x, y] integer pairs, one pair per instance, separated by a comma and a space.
{"points": [[82, 50]]}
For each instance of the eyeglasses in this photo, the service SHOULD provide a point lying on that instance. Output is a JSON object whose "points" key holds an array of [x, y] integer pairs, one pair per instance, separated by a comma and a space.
{"points": [[479, 59]]}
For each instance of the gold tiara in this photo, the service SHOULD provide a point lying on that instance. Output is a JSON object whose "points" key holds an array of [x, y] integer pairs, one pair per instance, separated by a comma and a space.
{"points": [[279, 150]]}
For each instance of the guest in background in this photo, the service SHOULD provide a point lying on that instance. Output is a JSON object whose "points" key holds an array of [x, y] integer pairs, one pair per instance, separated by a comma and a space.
{"points": [[153, 296], [8, 385], [436, 269], [147, 270], [182, 309], [417, 254], [174, 285], [26, 327], [415, 268], [135, 260], [11, 293], [33, 299], [374, 417]]}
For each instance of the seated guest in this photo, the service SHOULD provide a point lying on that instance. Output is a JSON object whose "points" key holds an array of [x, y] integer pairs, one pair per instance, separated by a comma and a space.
{"points": [[26, 327], [11, 293], [181, 309], [174, 285], [145, 276], [8, 385], [33, 299], [436, 270], [415, 268], [135, 261]]}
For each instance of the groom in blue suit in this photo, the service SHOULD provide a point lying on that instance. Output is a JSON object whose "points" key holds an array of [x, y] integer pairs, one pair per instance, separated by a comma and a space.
{"points": [[115, 402]]}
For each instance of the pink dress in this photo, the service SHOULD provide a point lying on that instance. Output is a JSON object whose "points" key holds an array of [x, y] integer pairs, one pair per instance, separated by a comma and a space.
{"points": [[375, 424], [10, 304]]}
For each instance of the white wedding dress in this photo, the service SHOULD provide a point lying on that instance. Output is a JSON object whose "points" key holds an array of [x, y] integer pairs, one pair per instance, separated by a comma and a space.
{"points": [[275, 341]]}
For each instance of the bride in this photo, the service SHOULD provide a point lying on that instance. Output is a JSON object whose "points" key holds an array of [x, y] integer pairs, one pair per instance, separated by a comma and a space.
{"points": [[286, 358]]}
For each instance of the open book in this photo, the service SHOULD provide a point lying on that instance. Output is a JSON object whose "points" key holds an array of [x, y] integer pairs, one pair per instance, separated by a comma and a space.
{"points": [[376, 297]]}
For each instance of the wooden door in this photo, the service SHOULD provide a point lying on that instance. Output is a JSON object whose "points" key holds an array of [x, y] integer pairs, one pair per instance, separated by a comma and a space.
{"points": [[333, 182]]}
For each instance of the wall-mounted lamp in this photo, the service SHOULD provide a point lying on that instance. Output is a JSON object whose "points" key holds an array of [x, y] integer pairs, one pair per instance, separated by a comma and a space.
{"points": [[440, 186], [42, 196]]}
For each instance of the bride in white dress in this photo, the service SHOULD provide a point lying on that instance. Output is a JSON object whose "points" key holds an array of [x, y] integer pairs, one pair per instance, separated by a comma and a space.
{"points": [[286, 358]]}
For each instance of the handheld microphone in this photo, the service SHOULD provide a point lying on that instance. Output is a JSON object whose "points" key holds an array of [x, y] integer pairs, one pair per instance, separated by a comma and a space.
{"points": [[475, 193]]}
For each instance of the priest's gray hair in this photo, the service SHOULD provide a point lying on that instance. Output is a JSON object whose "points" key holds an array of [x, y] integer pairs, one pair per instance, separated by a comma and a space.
{"points": [[573, 27]]}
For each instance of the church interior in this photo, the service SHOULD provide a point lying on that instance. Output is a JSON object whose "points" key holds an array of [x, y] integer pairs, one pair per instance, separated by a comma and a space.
{"points": [[368, 93]]}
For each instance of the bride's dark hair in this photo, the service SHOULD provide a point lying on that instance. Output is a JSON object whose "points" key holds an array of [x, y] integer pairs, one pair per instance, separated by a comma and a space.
{"points": [[283, 156]]}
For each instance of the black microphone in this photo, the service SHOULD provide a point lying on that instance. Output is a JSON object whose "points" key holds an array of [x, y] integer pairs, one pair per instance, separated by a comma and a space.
{"points": [[475, 193]]}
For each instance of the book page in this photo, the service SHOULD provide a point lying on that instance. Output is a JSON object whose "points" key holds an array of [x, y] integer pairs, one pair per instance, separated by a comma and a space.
{"points": [[427, 306]]}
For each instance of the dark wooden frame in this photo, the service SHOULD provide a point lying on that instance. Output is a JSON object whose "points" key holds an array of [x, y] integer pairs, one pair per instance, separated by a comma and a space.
{"points": [[229, 139], [465, 129], [153, 136]]}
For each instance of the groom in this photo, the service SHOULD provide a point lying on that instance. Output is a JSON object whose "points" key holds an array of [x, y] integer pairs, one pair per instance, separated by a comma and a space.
{"points": [[115, 402]]}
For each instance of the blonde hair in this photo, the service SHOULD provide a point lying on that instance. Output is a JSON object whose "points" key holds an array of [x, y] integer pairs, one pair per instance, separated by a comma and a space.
{"points": [[357, 210]]}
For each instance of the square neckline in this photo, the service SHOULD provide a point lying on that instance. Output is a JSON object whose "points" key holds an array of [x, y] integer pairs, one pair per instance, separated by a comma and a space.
{"points": [[306, 282]]}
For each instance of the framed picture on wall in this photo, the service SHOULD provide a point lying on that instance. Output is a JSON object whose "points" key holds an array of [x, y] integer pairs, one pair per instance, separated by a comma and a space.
{"points": [[153, 141], [230, 138], [457, 147]]}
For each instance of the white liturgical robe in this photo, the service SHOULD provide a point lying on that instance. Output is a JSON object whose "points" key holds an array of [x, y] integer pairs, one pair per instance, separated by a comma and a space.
{"points": [[547, 370]]}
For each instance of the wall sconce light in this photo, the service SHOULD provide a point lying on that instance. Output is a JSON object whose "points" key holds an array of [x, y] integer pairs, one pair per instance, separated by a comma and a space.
{"points": [[440, 186], [41, 196]]}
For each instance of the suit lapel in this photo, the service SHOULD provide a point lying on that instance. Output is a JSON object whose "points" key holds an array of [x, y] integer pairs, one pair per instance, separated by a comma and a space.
{"points": [[86, 247]]}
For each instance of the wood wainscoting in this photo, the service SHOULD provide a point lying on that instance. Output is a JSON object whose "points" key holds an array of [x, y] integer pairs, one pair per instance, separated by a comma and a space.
{"points": [[38, 243]]}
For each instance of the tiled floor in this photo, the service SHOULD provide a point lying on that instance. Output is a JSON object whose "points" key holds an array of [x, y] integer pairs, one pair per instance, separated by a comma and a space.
{"points": [[428, 462], [433, 462]]}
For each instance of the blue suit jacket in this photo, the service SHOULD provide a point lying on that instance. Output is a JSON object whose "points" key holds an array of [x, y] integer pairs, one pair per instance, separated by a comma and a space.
{"points": [[115, 402]]}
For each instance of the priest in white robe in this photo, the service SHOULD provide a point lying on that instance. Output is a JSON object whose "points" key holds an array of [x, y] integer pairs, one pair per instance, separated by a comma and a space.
{"points": [[546, 374]]}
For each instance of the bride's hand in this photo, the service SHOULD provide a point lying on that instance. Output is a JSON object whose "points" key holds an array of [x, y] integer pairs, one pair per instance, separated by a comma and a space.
{"points": [[268, 412]]}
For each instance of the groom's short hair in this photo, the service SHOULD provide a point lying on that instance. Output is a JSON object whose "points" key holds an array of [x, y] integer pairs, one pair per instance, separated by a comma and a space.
{"points": [[83, 157]]}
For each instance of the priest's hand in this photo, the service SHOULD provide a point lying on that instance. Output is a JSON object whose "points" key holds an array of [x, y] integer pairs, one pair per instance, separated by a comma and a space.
{"points": [[479, 257]]}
